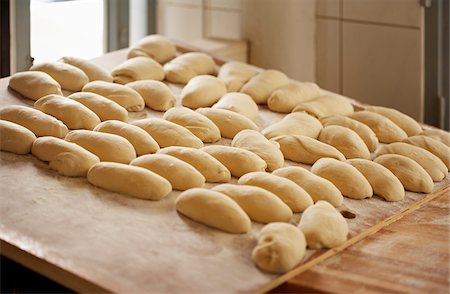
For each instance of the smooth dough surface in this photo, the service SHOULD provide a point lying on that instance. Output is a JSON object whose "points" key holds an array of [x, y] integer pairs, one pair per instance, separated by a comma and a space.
{"points": [[405, 122], [93, 71], [326, 105], [155, 46], [156, 94], [34, 84], [202, 91], [439, 135], [186, 66], [15, 138], [68, 76], [240, 103], [235, 74], [347, 141], [137, 68], [297, 123], [261, 86], [285, 98], [105, 108], [434, 146]]}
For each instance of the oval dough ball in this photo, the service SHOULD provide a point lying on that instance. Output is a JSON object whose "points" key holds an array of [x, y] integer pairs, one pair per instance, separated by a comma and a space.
{"points": [[255, 142], [186, 66], [384, 183], [405, 122], [66, 158], [305, 149], [280, 248], [15, 138], [237, 160], [235, 74], [138, 68], [72, 113], [213, 209], [285, 98], [439, 135], [104, 108], [212, 169], [34, 84], [142, 142], [154, 46], [156, 94], [202, 91], [129, 180], [122, 95], [39, 123], [229, 123], [259, 204], [261, 86], [326, 105], [297, 123], [345, 140], [68, 76], [323, 226], [317, 187], [93, 71], [412, 176], [108, 147], [290, 193], [240, 103], [167, 133], [434, 146], [198, 124]]}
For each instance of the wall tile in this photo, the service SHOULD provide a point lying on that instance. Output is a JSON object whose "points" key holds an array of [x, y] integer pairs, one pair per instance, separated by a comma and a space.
{"points": [[188, 24], [328, 7], [223, 24], [230, 4]]}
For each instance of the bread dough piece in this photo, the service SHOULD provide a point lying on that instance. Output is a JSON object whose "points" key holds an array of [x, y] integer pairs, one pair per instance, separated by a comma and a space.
{"points": [[384, 183], [138, 68], [156, 94], [212, 169], [237, 160], [434, 146], [260, 205], [198, 124], [122, 95], [93, 71], [240, 103], [285, 98], [155, 46], [68, 159], [306, 150], [129, 180], [290, 193], [104, 108], [253, 141], [366, 133], [430, 162], [167, 133], [385, 129], [202, 91], [345, 140], [439, 135], [108, 147], [213, 209], [326, 105], [317, 187], [412, 176], [34, 84], [229, 123], [297, 123], [39, 123], [142, 142], [405, 122], [188, 65], [68, 76], [72, 113], [261, 86], [235, 74], [15, 138], [323, 226]]}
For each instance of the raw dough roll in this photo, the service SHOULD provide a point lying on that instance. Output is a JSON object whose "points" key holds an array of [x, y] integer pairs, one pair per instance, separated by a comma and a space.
{"points": [[72, 113], [124, 96], [345, 140], [39, 123], [235, 74], [305, 149], [412, 176], [104, 108], [290, 193], [434, 146], [68, 76], [15, 138], [202, 91], [384, 183], [156, 94], [137, 68], [253, 141], [34, 84], [280, 248], [198, 124], [108, 147], [240, 103], [66, 158], [385, 129], [181, 175], [285, 98], [188, 65], [157, 47], [439, 135], [326, 105], [229, 123], [142, 142], [261, 86], [167, 133], [212, 169], [129, 180], [323, 226], [297, 123], [237, 160], [260, 205], [93, 71], [213, 209], [318, 188], [405, 122]]}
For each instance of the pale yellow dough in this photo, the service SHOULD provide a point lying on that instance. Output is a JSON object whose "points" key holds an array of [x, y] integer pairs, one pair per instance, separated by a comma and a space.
{"points": [[188, 65], [15, 138], [347, 141], [297, 123], [202, 91], [68, 76], [93, 71], [34, 84], [261, 86], [235, 74], [157, 47], [405, 122], [105, 108], [326, 105], [156, 94], [434, 146], [285, 98], [240, 103], [138, 68], [439, 135]]}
